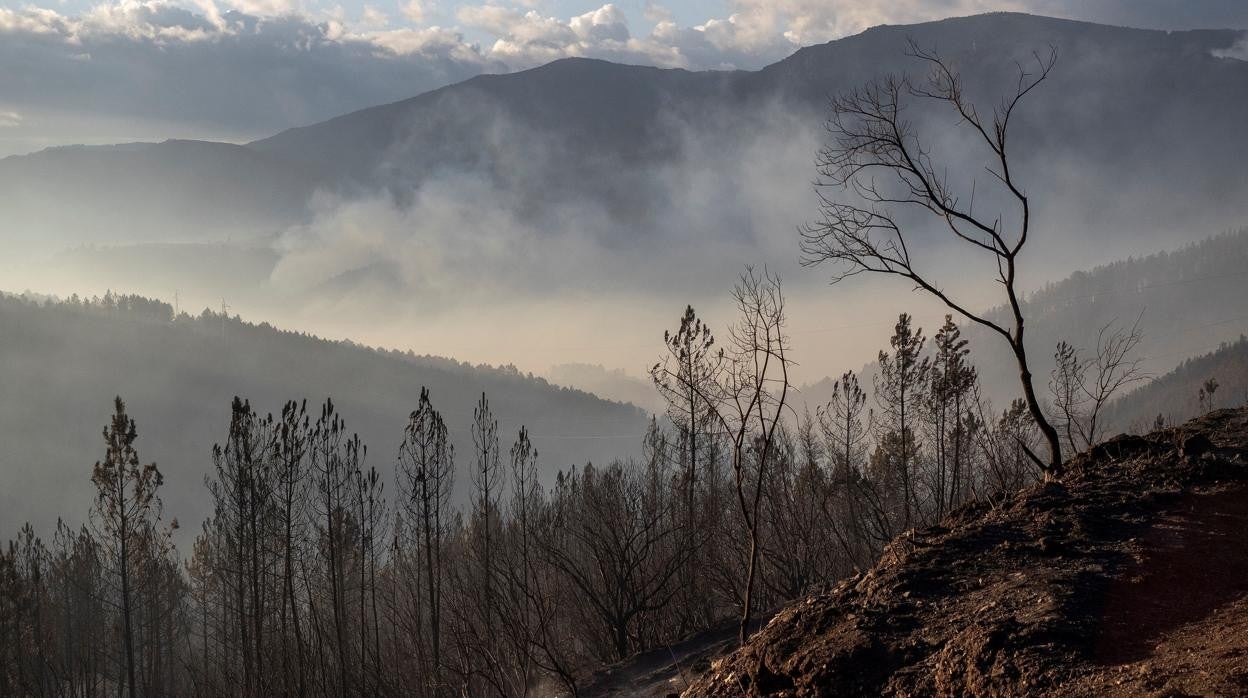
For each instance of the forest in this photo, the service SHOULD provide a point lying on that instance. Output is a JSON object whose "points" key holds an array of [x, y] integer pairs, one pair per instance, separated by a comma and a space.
{"points": [[317, 572], [178, 372]]}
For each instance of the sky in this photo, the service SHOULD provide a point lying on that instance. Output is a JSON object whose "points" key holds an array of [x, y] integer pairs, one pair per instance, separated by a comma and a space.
{"points": [[81, 71]]}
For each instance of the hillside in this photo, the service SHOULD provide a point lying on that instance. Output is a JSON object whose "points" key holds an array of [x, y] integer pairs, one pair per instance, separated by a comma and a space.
{"points": [[1114, 102], [1125, 578], [589, 133], [149, 192], [63, 363], [1187, 300], [1175, 396]]}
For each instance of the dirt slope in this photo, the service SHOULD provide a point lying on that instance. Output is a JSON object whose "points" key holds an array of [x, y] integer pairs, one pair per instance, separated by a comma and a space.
{"points": [[1130, 577]]}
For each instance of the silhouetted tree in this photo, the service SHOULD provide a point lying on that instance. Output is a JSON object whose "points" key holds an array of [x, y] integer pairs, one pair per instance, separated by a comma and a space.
{"points": [[953, 383], [687, 377], [876, 169], [125, 515], [1082, 388], [425, 471], [749, 403], [1205, 395], [900, 389], [846, 424]]}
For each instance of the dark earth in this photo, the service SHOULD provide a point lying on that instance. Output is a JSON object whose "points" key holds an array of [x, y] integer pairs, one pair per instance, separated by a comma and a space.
{"points": [[1127, 577]]}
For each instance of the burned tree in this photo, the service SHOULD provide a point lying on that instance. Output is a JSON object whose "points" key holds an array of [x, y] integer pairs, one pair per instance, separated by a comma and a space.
{"points": [[899, 389], [1081, 387], [425, 470], [876, 170], [125, 516], [685, 377], [746, 398]]}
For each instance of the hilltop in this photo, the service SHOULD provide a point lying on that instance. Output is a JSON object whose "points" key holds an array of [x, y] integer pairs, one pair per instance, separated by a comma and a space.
{"points": [[1127, 577]]}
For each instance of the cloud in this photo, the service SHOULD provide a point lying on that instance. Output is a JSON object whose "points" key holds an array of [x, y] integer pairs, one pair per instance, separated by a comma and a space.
{"points": [[253, 67], [528, 39], [414, 11], [221, 71], [655, 12], [754, 25], [373, 18], [10, 119]]}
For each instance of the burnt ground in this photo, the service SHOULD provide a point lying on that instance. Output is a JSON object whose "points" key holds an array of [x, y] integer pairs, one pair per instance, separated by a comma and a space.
{"points": [[1129, 577]]}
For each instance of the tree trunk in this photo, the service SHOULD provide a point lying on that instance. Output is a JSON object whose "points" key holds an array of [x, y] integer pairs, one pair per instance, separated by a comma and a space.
{"points": [[1054, 469]]}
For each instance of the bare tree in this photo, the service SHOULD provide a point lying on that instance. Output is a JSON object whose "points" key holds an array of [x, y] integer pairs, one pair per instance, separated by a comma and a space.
{"points": [[876, 169], [749, 403], [1082, 387], [1004, 440]]}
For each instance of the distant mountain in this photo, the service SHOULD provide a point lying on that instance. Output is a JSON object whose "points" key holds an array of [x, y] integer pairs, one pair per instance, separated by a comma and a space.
{"points": [[63, 363], [148, 192], [609, 384], [1161, 107]]}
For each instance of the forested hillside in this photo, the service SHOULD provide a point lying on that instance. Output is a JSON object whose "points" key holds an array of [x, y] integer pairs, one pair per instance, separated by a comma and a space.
{"points": [[1213, 380], [325, 567], [318, 570], [64, 362], [1187, 301]]}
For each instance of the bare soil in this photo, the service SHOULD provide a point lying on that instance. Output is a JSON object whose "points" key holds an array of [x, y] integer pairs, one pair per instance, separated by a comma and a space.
{"points": [[1129, 577]]}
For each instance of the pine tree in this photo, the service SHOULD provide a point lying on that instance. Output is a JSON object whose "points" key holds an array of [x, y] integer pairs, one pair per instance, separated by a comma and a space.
{"points": [[900, 389], [126, 511]]}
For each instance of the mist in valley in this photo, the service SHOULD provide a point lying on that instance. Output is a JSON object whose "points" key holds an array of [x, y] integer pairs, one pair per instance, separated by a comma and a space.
{"points": [[519, 230]]}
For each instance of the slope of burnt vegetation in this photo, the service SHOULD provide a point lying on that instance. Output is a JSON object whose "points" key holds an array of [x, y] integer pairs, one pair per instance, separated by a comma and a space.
{"points": [[1130, 577]]}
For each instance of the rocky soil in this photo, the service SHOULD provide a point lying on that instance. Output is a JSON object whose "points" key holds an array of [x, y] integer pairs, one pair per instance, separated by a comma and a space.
{"points": [[1129, 577]]}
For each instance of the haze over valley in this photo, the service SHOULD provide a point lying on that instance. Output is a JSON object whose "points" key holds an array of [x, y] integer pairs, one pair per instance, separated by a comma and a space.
{"points": [[479, 347]]}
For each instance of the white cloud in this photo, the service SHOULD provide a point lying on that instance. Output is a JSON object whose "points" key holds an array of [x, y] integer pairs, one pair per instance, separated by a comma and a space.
{"points": [[263, 8], [527, 39], [373, 18], [10, 119], [431, 42], [255, 66], [415, 10], [654, 12], [606, 23], [232, 71]]}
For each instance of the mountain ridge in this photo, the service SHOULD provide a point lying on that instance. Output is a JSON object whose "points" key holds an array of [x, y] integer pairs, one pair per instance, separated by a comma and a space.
{"points": [[581, 129], [65, 361]]}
